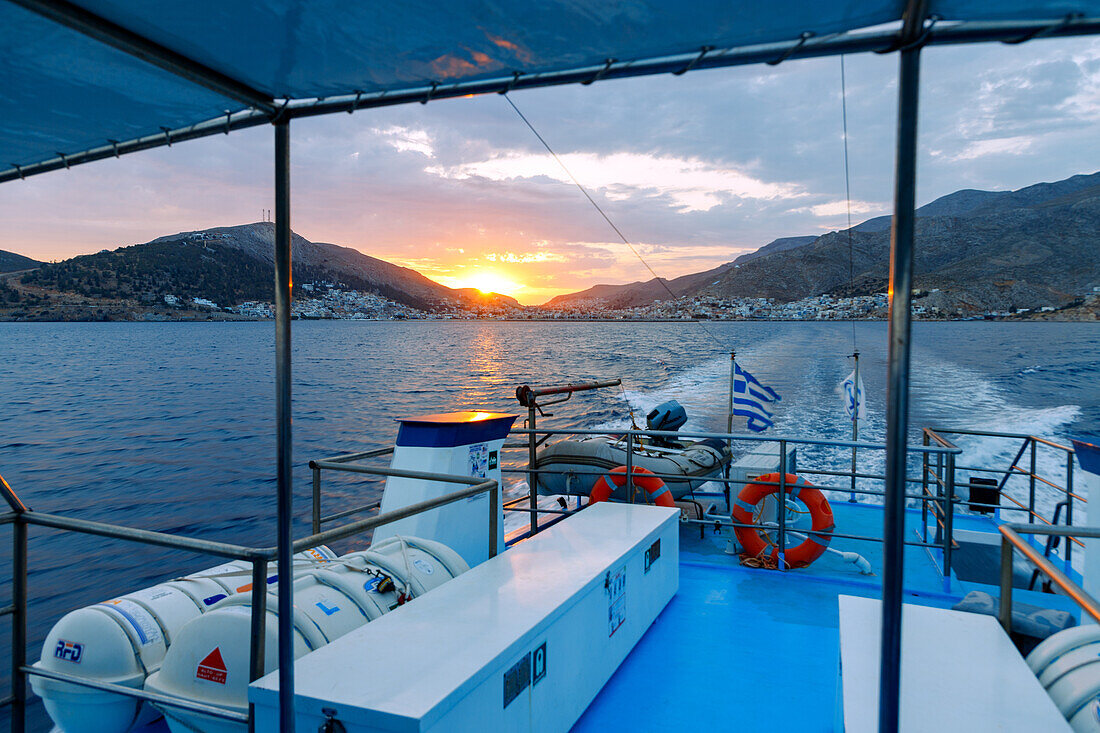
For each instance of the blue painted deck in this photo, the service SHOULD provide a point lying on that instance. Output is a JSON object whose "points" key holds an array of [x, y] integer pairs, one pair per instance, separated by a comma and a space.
{"points": [[758, 649]]}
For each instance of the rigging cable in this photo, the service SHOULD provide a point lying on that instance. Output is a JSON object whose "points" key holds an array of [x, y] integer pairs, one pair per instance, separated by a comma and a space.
{"points": [[592, 201], [848, 192]]}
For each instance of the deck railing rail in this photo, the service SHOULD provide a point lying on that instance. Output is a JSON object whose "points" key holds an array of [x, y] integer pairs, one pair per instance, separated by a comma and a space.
{"points": [[942, 455], [1025, 464], [21, 518], [1012, 541]]}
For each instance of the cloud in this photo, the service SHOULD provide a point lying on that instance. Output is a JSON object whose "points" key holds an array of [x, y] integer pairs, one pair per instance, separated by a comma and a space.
{"points": [[839, 208], [691, 184], [405, 139], [1017, 145]]}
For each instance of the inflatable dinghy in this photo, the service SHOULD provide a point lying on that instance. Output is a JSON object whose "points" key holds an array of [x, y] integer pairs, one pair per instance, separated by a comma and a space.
{"points": [[573, 466]]}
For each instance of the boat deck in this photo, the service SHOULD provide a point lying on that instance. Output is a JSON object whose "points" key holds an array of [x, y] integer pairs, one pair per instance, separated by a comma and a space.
{"points": [[761, 647]]}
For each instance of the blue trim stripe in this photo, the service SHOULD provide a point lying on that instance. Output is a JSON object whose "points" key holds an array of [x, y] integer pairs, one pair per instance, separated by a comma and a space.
{"points": [[131, 619], [745, 505], [449, 435], [655, 495]]}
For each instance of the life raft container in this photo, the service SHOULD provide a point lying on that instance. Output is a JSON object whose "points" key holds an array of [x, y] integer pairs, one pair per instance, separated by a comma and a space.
{"points": [[568, 466], [756, 543], [655, 488]]}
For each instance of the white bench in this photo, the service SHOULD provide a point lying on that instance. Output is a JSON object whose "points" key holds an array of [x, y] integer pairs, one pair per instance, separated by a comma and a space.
{"points": [[522, 642], [959, 672]]}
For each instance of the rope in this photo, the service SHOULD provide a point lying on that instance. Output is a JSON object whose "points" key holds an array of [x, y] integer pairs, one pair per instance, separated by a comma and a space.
{"points": [[606, 218], [847, 188]]}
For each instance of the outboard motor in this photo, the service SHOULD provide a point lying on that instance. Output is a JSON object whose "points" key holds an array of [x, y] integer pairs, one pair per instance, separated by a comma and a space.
{"points": [[669, 416]]}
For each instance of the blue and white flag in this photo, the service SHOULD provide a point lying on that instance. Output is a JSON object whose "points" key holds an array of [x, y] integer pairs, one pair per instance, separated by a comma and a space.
{"points": [[750, 398], [851, 391]]}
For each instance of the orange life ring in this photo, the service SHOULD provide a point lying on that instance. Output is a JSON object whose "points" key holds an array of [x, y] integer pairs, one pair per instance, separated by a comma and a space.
{"points": [[754, 541], [655, 488]]}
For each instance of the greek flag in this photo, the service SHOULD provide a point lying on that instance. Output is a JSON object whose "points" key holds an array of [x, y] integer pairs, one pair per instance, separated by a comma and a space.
{"points": [[750, 398], [851, 391]]}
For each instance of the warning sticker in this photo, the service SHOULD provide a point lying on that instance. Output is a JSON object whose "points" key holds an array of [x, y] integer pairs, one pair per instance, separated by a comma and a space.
{"points": [[423, 566], [212, 667], [479, 460], [148, 630], [615, 585]]}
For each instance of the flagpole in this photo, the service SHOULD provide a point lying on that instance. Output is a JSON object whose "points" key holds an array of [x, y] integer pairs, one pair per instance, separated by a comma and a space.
{"points": [[729, 423], [855, 426]]}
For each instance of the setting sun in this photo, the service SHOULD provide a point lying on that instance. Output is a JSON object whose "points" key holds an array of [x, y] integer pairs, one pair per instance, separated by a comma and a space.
{"points": [[488, 281]]}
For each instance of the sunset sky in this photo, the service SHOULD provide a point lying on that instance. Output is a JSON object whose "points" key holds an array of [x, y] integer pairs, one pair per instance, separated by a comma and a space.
{"points": [[694, 169]]}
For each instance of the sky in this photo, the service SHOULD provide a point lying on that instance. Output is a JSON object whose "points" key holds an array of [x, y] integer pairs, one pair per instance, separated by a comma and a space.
{"points": [[694, 170]]}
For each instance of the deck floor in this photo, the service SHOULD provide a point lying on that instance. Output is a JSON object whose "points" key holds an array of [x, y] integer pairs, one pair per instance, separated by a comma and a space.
{"points": [[758, 648]]}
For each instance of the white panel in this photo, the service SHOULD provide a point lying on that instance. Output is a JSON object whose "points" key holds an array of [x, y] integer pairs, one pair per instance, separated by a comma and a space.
{"points": [[439, 664], [463, 525], [959, 672]]}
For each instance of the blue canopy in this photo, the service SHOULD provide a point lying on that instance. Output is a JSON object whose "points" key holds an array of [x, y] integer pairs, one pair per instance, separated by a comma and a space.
{"points": [[69, 87]]}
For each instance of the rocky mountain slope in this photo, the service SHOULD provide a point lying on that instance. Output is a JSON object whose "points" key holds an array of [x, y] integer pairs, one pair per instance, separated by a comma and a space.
{"points": [[229, 265], [12, 262], [981, 250]]}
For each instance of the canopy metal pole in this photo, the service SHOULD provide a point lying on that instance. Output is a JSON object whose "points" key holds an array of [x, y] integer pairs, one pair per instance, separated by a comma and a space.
{"points": [[284, 489], [897, 384]]}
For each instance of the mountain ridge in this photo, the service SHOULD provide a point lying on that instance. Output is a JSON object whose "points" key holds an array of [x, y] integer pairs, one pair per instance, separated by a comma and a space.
{"points": [[1035, 246], [232, 264]]}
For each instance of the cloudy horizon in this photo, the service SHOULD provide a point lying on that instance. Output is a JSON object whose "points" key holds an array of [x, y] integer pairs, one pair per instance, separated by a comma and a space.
{"points": [[695, 170]]}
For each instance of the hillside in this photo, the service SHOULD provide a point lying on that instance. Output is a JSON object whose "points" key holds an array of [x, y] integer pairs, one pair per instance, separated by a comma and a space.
{"points": [[229, 265], [1029, 248], [11, 262], [1037, 246], [641, 293]]}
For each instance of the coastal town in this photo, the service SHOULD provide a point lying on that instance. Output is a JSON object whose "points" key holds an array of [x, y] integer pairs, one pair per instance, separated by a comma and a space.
{"points": [[321, 302]]}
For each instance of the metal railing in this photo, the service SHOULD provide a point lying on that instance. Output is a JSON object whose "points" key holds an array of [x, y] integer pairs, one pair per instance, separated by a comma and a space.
{"points": [[22, 517], [632, 440], [1029, 450], [1011, 541]]}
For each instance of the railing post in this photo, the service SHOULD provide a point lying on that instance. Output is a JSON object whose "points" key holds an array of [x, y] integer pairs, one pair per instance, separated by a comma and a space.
{"points": [[630, 465], [949, 522], [316, 500], [258, 646], [1006, 585], [1069, 509], [782, 511], [939, 496], [532, 476], [19, 626], [1031, 486], [924, 486], [494, 503]]}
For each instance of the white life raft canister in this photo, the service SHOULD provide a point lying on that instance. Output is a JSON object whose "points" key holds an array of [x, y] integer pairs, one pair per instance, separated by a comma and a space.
{"points": [[1068, 667], [209, 662], [123, 640]]}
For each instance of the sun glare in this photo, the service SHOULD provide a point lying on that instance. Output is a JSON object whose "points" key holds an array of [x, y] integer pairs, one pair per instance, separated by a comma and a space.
{"points": [[488, 281]]}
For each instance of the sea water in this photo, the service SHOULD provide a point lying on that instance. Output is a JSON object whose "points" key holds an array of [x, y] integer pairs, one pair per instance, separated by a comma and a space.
{"points": [[170, 426]]}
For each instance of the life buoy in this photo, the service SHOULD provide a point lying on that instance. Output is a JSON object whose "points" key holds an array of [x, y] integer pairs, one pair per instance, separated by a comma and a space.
{"points": [[754, 541], [655, 488]]}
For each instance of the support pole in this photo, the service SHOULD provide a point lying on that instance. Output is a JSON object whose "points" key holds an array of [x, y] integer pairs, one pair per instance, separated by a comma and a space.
{"points": [[284, 483], [855, 426], [897, 384], [729, 428], [532, 477], [19, 626]]}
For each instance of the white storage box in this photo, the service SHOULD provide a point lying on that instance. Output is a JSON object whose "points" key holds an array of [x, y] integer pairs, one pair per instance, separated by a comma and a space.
{"points": [[523, 642]]}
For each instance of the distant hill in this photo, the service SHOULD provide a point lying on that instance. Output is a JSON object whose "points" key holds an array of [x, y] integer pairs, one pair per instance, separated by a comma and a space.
{"points": [[475, 297], [1036, 246], [779, 245], [229, 265], [11, 262], [643, 293]]}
